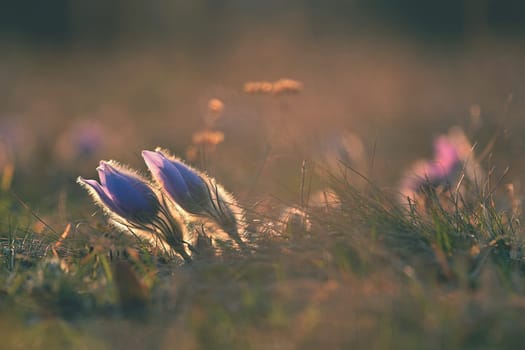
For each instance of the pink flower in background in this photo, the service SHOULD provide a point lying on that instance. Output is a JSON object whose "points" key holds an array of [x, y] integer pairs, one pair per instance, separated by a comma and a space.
{"points": [[83, 139], [87, 138], [440, 171], [446, 156]]}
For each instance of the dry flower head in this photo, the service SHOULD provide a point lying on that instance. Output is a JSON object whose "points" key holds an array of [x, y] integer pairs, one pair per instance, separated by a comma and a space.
{"points": [[208, 137], [279, 87], [215, 106]]}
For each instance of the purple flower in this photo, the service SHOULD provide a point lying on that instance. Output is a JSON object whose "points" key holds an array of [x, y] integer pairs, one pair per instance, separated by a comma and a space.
{"points": [[87, 137], [438, 172], [123, 193], [195, 193], [181, 183], [446, 155]]}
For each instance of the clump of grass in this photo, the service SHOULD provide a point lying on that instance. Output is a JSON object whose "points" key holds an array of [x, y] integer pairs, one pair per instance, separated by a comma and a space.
{"points": [[457, 233]]}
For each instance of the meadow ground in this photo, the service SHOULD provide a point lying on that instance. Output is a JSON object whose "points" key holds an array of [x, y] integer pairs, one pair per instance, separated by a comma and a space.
{"points": [[347, 266]]}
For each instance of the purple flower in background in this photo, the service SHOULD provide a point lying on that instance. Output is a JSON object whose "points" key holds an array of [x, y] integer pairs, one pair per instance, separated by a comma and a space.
{"points": [[83, 139], [446, 156], [17, 141], [446, 164], [123, 193], [438, 172], [180, 182], [87, 137]]}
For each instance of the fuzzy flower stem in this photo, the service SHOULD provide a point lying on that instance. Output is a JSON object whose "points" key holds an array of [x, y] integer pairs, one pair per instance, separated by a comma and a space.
{"points": [[172, 233], [224, 218]]}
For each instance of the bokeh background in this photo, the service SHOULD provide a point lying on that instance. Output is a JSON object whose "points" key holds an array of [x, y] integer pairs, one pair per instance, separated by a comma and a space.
{"points": [[103, 79], [376, 82]]}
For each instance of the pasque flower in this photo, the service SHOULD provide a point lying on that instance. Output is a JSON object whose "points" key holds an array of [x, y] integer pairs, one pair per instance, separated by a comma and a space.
{"points": [[441, 171], [123, 193], [181, 183], [194, 192], [160, 213], [444, 167]]}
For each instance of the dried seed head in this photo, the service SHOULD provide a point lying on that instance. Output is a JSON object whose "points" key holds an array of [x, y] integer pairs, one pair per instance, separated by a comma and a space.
{"points": [[207, 137], [279, 87], [215, 109], [215, 106], [287, 86], [258, 87]]}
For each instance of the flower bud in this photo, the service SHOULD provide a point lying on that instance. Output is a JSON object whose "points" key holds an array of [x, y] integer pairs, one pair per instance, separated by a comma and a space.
{"points": [[123, 193], [180, 182]]}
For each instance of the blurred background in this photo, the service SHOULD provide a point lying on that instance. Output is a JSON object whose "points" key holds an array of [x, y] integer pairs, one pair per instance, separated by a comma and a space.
{"points": [[103, 79]]}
